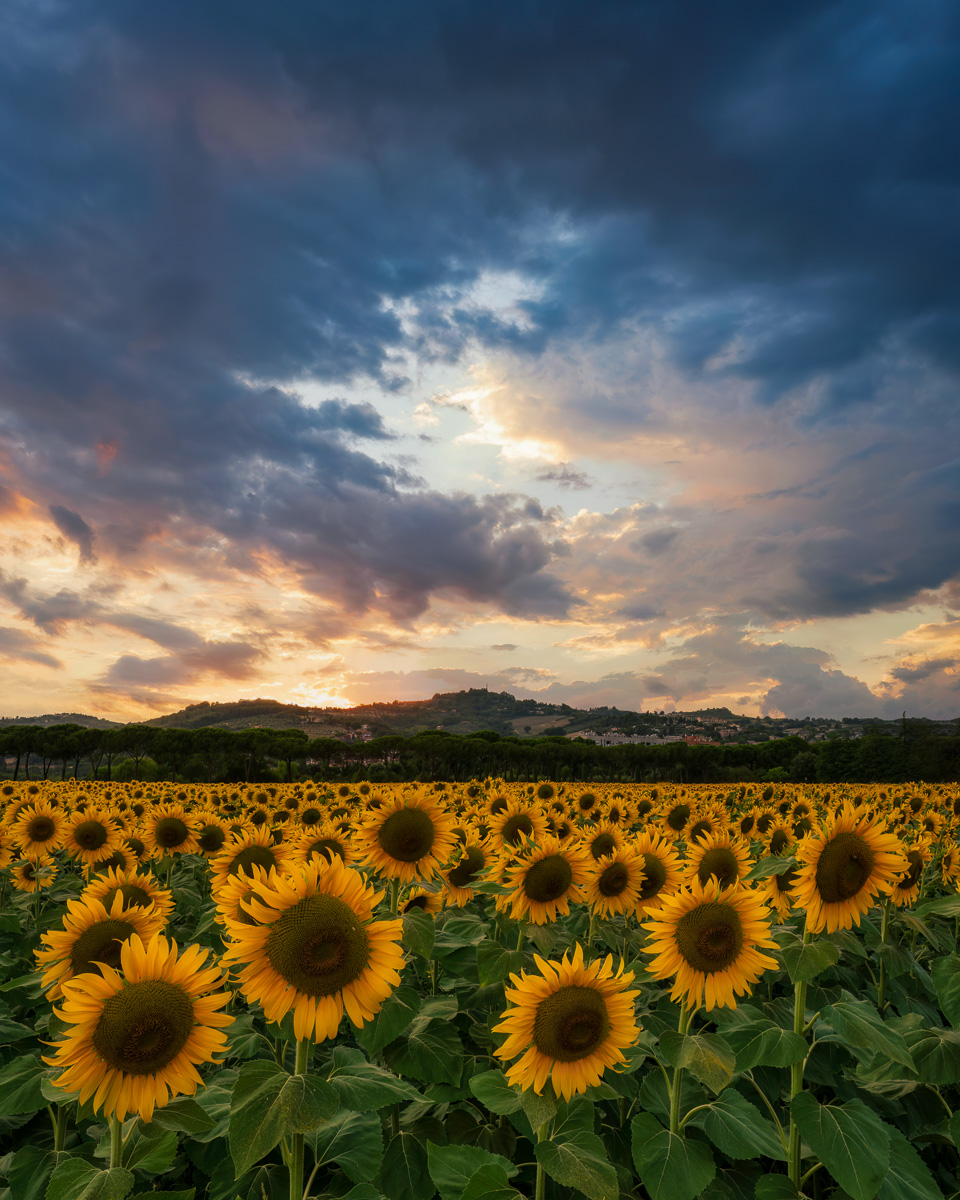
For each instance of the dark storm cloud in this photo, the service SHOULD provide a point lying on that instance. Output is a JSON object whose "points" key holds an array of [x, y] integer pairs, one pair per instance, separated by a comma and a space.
{"points": [[200, 197], [75, 529]]}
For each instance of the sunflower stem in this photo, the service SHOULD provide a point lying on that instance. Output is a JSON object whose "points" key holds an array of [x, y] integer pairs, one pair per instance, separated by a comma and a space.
{"points": [[296, 1148], [60, 1128], [543, 1134], [116, 1142], [394, 896], [677, 1085], [519, 935], [593, 921], [796, 1070], [882, 985]]}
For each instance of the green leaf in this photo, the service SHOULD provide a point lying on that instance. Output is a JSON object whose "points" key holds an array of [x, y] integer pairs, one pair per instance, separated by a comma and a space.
{"points": [[20, 1086], [419, 932], [489, 1183], [405, 1174], [30, 1170], [948, 908], [433, 1055], [153, 1154], [775, 1187], [849, 1139], [807, 962], [538, 1109], [670, 1167], [772, 865], [457, 931], [493, 1091], [936, 1054], [737, 1127], [580, 1162], [707, 1056], [363, 1087], [908, 1176], [184, 1115], [946, 979], [243, 1040], [78, 1180], [396, 1013], [354, 1141], [764, 1044], [451, 1167], [495, 963], [13, 1031], [862, 1029], [188, 1194], [268, 1103]]}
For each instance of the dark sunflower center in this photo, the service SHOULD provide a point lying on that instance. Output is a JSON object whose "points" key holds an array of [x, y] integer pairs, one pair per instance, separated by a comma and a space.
{"points": [[318, 946], [136, 845], [746, 825], [912, 877], [143, 1028], [801, 827], [643, 807], [132, 895], [90, 835], [211, 838], [420, 902], [468, 867], [310, 816], [498, 806], [779, 842], [548, 879], [602, 845], [699, 828], [117, 859], [171, 832], [710, 937], [100, 942], [678, 816], [721, 863], [253, 856], [764, 823], [407, 835], [29, 870], [586, 801], [40, 829], [845, 865], [654, 876], [515, 828], [259, 818], [570, 1024], [786, 881], [613, 880], [545, 791], [328, 847]]}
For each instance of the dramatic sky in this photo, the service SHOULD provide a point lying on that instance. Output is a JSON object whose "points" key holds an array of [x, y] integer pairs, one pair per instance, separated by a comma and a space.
{"points": [[602, 351]]}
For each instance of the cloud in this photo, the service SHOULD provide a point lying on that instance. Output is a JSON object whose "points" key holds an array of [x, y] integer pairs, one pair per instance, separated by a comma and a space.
{"points": [[75, 529], [565, 476], [17, 646]]}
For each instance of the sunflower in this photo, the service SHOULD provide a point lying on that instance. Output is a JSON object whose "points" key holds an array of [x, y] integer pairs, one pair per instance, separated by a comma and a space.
{"points": [[603, 840], [428, 902], [709, 937], [91, 835], [719, 856], [675, 819], [780, 839], [950, 864], [170, 829], [467, 869], [570, 1024], [33, 874], [779, 892], [231, 895], [6, 849], [38, 830], [408, 838], [514, 823], [244, 852], [545, 880], [662, 869], [586, 802], [845, 865], [137, 1038], [122, 859], [137, 890], [316, 949], [614, 883], [324, 840], [213, 833], [91, 936], [907, 888]]}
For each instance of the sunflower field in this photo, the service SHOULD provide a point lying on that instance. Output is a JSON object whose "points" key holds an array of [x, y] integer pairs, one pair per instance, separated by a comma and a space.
{"points": [[479, 991]]}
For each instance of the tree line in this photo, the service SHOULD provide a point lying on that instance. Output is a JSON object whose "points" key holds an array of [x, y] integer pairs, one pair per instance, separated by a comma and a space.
{"points": [[212, 755]]}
